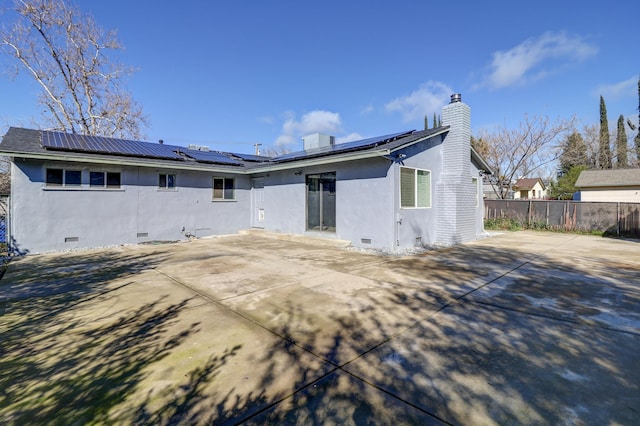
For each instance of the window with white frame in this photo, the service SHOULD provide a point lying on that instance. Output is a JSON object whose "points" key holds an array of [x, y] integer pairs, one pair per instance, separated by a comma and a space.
{"points": [[166, 181], [63, 177], [223, 188], [104, 179], [415, 188], [474, 181]]}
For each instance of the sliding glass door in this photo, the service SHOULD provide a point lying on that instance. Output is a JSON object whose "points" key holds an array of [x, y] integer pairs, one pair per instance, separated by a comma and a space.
{"points": [[321, 202]]}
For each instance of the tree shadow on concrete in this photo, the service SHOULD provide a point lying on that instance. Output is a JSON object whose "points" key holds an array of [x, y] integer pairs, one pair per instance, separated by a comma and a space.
{"points": [[62, 366], [470, 335], [548, 343]]}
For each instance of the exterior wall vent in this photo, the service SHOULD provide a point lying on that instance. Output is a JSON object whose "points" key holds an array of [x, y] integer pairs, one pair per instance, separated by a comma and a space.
{"points": [[71, 239], [365, 240], [142, 234]]}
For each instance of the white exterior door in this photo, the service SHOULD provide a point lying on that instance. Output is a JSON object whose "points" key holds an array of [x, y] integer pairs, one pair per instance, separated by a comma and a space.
{"points": [[257, 203]]}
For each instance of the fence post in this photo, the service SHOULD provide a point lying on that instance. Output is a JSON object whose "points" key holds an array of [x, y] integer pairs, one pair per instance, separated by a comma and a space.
{"points": [[547, 214]]}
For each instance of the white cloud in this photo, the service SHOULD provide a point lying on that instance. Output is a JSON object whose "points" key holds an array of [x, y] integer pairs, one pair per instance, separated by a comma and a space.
{"points": [[367, 110], [622, 89], [535, 58], [429, 98], [312, 122]]}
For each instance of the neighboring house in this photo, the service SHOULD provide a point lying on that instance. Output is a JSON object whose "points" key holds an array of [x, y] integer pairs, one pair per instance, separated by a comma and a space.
{"points": [[529, 188], [621, 185], [393, 192]]}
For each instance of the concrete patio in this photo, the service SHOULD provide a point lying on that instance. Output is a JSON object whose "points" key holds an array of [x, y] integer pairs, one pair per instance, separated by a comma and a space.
{"points": [[519, 328]]}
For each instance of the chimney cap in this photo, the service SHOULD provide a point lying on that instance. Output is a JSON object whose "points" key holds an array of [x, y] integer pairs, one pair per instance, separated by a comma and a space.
{"points": [[456, 97]]}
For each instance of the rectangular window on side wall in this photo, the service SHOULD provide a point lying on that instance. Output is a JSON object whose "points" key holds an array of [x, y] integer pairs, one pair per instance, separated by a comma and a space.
{"points": [[166, 181], [104, 179], [474, 181], [223, 188], [63, 177], [415, 188]]}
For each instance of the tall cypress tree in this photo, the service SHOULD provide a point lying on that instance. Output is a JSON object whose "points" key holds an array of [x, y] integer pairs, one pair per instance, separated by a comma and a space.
{"points": [[604, 151], [435, 122], [426, 122], [621, 145]]}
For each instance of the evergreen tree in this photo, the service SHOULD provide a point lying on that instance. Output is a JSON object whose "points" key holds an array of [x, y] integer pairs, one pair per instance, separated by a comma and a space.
{"points": [[435, 121], [621, 145], [604, 152], [426, 122], [566, 185], [574, 152]]}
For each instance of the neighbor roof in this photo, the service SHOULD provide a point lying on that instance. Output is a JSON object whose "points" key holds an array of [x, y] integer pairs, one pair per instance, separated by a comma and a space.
{"points": [[528, 183], [608, 178]]}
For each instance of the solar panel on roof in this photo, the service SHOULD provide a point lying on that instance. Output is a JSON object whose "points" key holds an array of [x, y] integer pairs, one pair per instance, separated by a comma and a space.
{"points": [[251, 157], [342, 147], [102, 145], [210, 157]]}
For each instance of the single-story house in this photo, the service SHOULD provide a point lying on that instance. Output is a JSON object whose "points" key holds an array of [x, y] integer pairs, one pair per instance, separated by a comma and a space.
{"points": [[621, 185], [529, 188], [391, 193]]}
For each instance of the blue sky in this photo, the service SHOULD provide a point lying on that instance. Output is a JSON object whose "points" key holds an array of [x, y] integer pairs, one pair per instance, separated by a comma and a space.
{"points": [[231, 74]]}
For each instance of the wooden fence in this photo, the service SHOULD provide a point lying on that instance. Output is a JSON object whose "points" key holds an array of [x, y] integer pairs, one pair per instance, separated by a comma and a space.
{"points": [[613, 218]]}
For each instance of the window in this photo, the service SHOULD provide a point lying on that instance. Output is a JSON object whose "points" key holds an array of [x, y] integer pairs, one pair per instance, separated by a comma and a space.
{"points": [[62, 177], [166, 181], [415, 188], [104, 179], [474, 181], [223, 188]]}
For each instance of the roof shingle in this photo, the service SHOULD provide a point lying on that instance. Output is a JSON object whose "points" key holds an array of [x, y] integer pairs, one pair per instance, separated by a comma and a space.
{"points": [[608, 178]]}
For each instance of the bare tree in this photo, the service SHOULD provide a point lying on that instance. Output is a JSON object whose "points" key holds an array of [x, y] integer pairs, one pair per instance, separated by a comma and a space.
{"points": [[5, 176], [528, 150], [591, 136], [67, 54]]}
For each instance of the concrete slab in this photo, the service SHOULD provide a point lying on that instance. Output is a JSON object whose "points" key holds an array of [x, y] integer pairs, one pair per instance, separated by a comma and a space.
{"points": [[518, 328], [473, 364]]}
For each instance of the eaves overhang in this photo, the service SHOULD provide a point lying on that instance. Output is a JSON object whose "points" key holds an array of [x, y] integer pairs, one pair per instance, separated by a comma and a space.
{"points": [[318, 161], [424, 138], [481, 162], [122, 162]]}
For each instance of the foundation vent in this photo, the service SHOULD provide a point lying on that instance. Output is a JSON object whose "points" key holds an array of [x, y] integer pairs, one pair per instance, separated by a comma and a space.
{"points": [[142, 234], [71, 239], [365, 240]]}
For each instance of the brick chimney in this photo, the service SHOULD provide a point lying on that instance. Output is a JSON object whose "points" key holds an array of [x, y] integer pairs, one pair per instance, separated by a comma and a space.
{"points": [[455, 192]]}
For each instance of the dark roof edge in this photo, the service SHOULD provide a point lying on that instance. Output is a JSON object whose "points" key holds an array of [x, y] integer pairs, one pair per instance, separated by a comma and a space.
{"points": [[481, 162]]}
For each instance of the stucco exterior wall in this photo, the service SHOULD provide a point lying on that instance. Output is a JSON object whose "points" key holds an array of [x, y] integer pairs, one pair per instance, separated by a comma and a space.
{"points": [[43, 217], [416, 227], [364, 202], [616, 195]]}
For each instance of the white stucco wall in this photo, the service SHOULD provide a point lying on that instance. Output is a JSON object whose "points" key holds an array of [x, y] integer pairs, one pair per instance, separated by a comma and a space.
{"points": [[364, 202], [629, 195], [43, 217]]}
